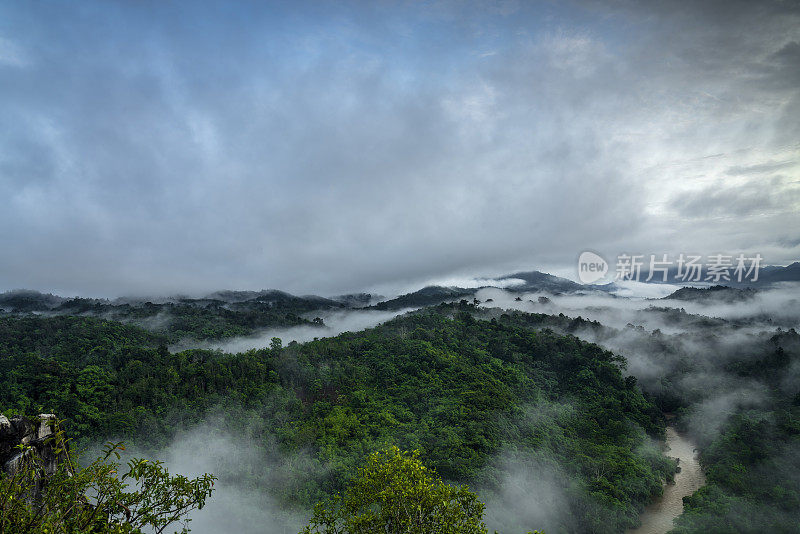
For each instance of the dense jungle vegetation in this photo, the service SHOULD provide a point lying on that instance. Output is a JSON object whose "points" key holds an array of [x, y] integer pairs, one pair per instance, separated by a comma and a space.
{"points": [[455, 388], [751, 460], [461, 384], [223, 315]]}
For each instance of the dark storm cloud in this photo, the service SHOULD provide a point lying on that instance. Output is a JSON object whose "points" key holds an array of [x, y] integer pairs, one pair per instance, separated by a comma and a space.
{"points": [[152, 147]]}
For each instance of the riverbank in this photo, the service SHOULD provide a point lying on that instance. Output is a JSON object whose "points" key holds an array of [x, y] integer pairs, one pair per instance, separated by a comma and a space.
{"points": [[658, 516]]}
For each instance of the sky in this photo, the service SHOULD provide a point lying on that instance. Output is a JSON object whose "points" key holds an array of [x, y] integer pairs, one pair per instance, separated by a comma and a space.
{"points": [[183, 147]]}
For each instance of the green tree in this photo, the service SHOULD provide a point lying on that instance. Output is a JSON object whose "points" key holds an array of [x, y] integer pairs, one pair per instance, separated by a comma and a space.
{"points": [[395, 493], [101, 498]]}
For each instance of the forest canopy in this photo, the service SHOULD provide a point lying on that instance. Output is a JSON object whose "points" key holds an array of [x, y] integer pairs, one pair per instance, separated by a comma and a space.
{"points": [[455, 388]]}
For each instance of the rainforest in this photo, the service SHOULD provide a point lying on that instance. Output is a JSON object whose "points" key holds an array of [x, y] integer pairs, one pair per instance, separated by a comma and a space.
{"points": [[537, 412], [400, 267]]}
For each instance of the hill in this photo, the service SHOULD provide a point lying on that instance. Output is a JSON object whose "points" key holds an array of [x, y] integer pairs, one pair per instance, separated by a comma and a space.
{"points": [[459, 389], [713, 294]]}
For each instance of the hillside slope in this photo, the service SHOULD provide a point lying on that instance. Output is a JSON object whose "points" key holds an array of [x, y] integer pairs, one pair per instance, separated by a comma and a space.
{"points": [[463, 391]]}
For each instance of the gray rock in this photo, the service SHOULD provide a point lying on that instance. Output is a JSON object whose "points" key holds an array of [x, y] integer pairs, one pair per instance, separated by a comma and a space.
{"points": [[36, 434]]}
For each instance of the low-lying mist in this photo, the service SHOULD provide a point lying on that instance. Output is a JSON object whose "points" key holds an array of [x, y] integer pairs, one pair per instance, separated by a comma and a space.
{"points": [[692, 348], [771, 307], [252, 475], [687, 349], [530, 493], [336, 322]]}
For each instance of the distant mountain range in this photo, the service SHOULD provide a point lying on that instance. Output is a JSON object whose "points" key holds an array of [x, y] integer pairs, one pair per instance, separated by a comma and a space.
{"points": [[530, 281], [772, 274], [539, 281], [767, 276], [26, 301], [714, 293]]}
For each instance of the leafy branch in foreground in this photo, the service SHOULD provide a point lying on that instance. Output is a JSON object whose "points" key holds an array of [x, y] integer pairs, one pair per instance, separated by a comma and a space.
{"points": [[96, 498]]}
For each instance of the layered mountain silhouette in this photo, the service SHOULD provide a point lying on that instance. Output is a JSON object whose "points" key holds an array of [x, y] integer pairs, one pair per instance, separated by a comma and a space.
{"points": [[28, 301]]}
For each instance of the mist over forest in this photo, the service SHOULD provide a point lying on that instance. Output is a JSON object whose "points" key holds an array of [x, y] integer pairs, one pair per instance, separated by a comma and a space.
{"points": [[455, 267], [274, 394]]}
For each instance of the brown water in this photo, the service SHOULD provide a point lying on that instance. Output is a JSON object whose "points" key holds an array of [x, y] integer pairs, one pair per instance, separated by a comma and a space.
{"points": [[657, 517]]}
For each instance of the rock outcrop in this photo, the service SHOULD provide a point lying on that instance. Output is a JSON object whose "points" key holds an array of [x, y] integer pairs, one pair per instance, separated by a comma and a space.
{"points": [[36, 434]]}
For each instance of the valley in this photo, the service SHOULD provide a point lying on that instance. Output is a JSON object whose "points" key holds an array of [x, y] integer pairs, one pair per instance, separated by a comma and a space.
{"points": [[510, 400]]}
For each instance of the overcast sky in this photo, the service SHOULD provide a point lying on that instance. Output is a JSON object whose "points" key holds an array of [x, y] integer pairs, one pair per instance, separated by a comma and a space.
{"points": [[163, 147]]}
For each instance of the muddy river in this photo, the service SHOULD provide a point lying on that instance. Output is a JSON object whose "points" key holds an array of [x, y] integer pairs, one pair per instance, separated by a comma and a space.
{"points": [[657, 517]]}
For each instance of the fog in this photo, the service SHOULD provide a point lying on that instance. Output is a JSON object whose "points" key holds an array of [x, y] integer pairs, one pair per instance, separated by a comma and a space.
{"points": [[524, 489], [236, 505], [252, 475], [769, 307], [336, 322], [331, 147], [688, 348], [684, 346], [530, 494]]}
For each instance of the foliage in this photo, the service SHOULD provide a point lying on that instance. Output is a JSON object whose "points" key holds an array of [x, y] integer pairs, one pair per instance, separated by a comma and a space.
{"points": [[394, 493], [96, 498], [752, 484], [440, 381], [176, 319], [751, 459]]}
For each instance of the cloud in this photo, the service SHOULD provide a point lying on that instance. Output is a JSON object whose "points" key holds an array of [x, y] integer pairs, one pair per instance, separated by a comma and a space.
{"points": [[336, 322], [779, 194], [336, 148], [531, 493], [761, 168], [251, 477]]}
